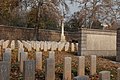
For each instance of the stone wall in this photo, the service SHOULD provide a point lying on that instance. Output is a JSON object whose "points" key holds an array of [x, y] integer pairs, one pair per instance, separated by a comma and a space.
{"points": [[7, 32], [98, 42], [10, 33]]}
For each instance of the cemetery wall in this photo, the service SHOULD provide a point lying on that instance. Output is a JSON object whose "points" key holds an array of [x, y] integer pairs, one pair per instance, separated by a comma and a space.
{"points": [[13, 33], [98, 42]]}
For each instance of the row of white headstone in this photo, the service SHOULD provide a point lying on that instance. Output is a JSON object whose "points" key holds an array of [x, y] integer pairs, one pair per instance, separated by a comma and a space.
{"points": [[6, 43], [12, 44], [50, 45], [40, 45], [20, 44]]}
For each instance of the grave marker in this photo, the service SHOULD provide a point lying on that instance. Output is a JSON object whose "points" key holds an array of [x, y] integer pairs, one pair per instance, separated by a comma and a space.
{"points": [[5, 44], [4, 70], [12, 44], [72, 47], [7, 55], [52, 54], [23, 57], [37, 47], [81, 66], [42, 45], [38, 60], [93, 65], [20, 50], [76, 46], [61, 46], [104, 75], [67, 46], [81, 78], [118, 74], [45, 46], [49, 45], [29, 70], [50, 69], [67, 69]]}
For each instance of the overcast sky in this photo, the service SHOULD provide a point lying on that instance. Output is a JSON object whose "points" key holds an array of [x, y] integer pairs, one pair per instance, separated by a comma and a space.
{"points": [[73, 7]]}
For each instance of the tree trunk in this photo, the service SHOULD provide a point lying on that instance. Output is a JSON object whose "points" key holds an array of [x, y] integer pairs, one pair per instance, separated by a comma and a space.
{"points": [[36, 33], [36, 36]]}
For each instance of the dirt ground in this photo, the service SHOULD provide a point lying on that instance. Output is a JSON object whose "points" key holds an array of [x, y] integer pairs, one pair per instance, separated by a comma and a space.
{"points": [[103, 63]]}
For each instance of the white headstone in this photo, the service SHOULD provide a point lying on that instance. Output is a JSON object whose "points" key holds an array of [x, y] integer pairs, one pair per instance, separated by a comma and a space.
{"points": [[49, 45], [67, 46], [61, 46], [52, 54], [20, 50], [23, 57], [77, 46], [104, 75], [45, 46], [37, 47], [50, 69], [38, 60], [7, 55], [81, 66], [93, 65], [72, 47], [42, 45], [67, 69], [13, 44]]}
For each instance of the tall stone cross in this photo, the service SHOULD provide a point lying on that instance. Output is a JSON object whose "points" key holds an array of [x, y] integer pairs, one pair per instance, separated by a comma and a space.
{"points": [[62, 28], [62, 34]]}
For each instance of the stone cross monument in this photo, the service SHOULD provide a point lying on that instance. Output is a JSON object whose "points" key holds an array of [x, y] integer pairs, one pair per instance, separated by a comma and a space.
{"points": [[62, 34]]}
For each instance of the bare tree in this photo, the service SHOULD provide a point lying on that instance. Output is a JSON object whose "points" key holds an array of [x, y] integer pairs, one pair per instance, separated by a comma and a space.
{"points": [[93, 13]]}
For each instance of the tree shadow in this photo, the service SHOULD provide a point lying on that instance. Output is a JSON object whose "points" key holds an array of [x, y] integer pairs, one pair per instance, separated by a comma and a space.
{"points": [[112, 58]]}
